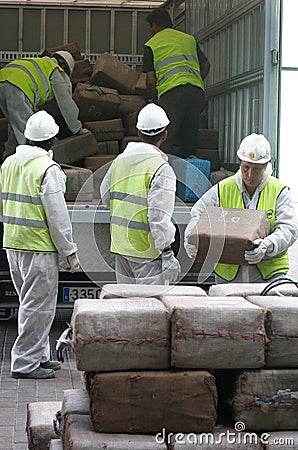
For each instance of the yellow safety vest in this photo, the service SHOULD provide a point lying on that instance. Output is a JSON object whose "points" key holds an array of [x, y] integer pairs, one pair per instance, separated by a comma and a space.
{"points": [[230, 197], [175, 60], [32, 76], [24, 218], [130, 184]]}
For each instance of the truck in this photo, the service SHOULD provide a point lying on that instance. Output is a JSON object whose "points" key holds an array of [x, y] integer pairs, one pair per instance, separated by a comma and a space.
{"points": [[251, 87]]}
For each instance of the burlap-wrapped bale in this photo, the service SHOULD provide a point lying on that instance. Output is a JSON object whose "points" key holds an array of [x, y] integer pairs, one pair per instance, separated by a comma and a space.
{"points": [[56, 444], [216, 333], [130, 104], [111, 72], [106, 130], [120, 334], [82, 72], [267, 399], [224, 234], [74, 148], [221, 438], [79, 185], [96, 102], [147, 402], [80, 435], [246, 289], [39, 426], [157, 291], [281, 324], [75, 402]]}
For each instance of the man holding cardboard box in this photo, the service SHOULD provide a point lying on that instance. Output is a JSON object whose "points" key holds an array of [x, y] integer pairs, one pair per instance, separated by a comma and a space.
{"points": [[252, 187]]}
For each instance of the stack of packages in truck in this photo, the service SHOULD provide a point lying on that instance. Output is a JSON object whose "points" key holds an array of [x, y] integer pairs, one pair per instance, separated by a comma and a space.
{"points": [[109, 95]]}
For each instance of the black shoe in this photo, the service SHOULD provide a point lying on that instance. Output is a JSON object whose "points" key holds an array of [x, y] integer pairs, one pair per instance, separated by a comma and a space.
{"points": [[55, 365], [36, 374]]}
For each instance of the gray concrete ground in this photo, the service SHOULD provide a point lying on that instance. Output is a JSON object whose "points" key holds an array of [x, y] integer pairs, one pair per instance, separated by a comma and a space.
{"points": [[16, 393]]}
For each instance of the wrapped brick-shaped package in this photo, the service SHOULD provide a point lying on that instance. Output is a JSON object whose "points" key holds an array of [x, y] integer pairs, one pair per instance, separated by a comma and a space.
{"points": [[82, 72], [74, 148], [147, 402], [246, 289], [106, 130], [225, 233], [120, 334], [71, 47], [80, 435], [95, 102], [39, 425], [79, 184], [216, 333], [111, 72], [130, 104], [56, 444], [281, 324], [267, 399], [157, 291]]}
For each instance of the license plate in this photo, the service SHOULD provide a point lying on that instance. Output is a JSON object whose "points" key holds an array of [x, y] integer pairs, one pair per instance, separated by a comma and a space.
{"points": [[71, 294]]}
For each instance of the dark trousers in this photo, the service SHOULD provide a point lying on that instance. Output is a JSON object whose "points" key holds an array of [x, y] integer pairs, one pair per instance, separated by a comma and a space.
{"points": [[183, 106]]}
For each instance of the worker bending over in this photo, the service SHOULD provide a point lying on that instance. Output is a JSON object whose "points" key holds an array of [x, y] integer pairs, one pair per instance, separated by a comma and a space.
{"points": [[26, 84], [140, 189]]}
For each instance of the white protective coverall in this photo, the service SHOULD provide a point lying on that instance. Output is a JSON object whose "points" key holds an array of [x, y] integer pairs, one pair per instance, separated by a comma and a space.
{"points": [[17, 108], [35, 275], [161, 202], [284, 235]]}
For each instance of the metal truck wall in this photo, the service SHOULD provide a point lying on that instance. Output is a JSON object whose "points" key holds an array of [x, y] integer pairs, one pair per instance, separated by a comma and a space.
{"points": [[231, 34], [26, 31]]}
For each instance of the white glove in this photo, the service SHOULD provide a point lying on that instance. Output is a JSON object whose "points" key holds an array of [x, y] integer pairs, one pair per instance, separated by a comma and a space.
{"points": [[170, 266], [257, 254], [64, 341], [191, 249], [74, 265]]}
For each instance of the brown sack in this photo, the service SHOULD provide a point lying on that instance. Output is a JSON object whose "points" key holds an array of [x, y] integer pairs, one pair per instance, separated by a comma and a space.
{"points": [[82, 72], [147, 402], [39, 426], [224, 234], [110, 72], [72, 48], [106, 130], [130, 104], [95, 102], [74, 148]]}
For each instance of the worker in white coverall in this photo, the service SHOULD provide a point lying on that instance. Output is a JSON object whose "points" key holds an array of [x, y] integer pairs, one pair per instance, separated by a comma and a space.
{"points": [[253, 187], [140, 189], [37, 230], [26, 84]]}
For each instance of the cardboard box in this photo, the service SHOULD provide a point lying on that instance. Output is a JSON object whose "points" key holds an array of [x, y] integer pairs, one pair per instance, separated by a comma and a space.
{"points": [[225, 233]]}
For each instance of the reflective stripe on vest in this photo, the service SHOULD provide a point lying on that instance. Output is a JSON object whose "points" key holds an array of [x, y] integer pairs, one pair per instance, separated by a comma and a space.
{"points": [[32, 76], [230, 197], [130, 184], [175, 60], [24, 218]]}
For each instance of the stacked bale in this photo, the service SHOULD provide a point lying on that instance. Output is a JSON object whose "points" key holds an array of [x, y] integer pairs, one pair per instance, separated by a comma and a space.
{"points": [[267, 399]]}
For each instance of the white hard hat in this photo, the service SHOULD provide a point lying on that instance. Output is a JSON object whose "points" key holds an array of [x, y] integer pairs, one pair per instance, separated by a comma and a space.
{"points": [[40, 127], [68, 58], [255, 149], [152, 120]]}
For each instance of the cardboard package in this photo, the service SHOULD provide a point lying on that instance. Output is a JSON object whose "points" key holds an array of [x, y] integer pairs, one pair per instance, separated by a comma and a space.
{"points": [[225, 233], [79, 184]]}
